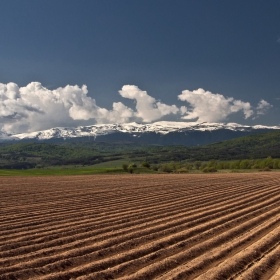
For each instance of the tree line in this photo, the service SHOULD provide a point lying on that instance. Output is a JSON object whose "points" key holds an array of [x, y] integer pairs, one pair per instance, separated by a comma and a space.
{"points": [[210, 166]]}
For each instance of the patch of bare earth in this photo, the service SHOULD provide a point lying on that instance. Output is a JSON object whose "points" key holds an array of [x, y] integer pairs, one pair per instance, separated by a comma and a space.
{"points": [[217, 226]]}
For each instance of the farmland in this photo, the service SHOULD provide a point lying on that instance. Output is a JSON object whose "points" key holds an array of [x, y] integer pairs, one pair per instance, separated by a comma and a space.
{"points": [[162, 226]]}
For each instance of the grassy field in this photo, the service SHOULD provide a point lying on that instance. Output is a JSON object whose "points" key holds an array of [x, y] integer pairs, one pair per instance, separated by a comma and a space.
{"points": [[58, 171], [118, 163], [65, 170], [102, 169]]}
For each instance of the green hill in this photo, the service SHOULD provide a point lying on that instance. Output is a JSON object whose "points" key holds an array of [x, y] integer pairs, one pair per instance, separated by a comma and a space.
{"points": [[253, 146], [29, 155]]}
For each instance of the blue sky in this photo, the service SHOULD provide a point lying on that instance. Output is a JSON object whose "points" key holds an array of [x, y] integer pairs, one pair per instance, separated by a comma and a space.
{"points": [[231, 48]]}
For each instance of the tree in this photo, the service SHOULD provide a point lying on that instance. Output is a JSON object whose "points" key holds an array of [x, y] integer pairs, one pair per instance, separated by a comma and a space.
{"points": [[212, 163], [268, 162], [203, 165], [275, 163], [155, 167], [245, 164], [220, 165], [197, 164], [125, 167], [145, 164], [166, 168], [235, 164], [209, 169], [189, 166]]}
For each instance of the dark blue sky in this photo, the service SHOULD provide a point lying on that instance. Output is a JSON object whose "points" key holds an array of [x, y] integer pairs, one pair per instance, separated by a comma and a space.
{"points": [[163, 47]]}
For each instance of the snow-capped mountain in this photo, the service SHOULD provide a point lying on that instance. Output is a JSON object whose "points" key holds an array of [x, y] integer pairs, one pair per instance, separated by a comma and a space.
{"points": [[163, 132]]}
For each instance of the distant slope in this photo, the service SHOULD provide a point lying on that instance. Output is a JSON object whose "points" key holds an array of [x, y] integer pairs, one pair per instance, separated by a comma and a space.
{"points": [[27, 155], [246, 147], [158, 133], [256, 146]]}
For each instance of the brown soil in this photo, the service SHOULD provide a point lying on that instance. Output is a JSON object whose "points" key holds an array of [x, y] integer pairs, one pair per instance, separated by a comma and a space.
{"points": [[217, 226]]}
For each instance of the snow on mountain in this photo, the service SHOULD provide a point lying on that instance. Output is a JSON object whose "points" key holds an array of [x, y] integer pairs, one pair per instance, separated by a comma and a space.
{"points": [[162, 127]]}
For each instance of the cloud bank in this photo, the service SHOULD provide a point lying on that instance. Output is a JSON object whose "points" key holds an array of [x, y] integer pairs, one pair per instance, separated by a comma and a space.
{"points": [[210, 107], [147, 108], [263, 107], [34, 107]]}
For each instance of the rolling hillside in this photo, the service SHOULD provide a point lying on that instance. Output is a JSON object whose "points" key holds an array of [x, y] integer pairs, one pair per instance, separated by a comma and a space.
{"points": [[28, 155]]}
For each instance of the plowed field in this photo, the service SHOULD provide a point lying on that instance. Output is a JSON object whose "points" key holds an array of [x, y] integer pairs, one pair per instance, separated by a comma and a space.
{"points": [[140, 227]]}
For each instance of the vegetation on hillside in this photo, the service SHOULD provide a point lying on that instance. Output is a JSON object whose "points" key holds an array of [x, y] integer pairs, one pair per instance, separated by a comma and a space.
{"points": [[213, 165], [249, 148]]}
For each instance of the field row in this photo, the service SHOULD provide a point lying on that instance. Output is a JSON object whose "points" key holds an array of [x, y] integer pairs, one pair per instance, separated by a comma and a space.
{"points": [[221, 226]]}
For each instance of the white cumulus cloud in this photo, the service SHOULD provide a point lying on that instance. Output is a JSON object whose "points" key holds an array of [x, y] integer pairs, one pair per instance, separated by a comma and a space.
{"points": [[212, 107], [34, 107], [12, 106], [148, 109], [263, 107]]}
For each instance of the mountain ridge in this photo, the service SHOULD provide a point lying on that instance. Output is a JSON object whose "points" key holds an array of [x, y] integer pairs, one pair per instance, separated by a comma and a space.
{"points": [[162, 132], [162, 127]]}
